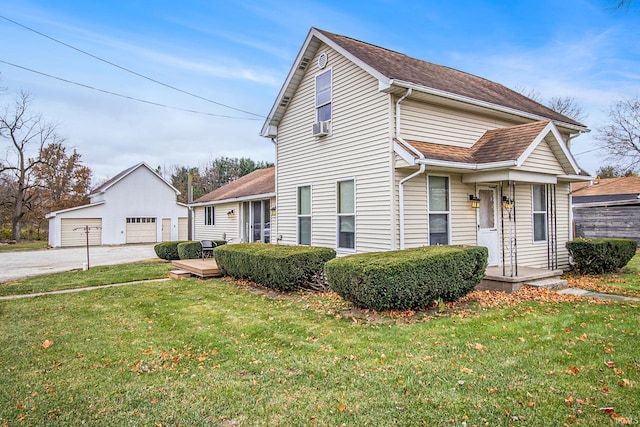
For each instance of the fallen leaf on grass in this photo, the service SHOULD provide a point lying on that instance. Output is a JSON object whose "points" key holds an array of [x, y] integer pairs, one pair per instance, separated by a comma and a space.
{"points": [[624, 383], [341, 408], [610, 364], [608, 409], [47, 343]]}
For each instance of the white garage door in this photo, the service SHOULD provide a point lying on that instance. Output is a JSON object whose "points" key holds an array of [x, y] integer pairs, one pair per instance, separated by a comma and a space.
{"points": [[183, 228], [141, 230], [73, 231]]}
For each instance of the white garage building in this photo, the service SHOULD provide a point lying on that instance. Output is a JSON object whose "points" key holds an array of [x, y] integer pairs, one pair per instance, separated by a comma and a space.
{"points": [[135, 206]]}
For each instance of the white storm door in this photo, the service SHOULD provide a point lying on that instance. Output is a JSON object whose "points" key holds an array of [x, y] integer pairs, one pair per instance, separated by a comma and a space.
{"points": [[488, 235]]}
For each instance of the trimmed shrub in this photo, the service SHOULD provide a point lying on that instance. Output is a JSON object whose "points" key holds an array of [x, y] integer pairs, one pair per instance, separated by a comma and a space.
{"points": [[167, 250], [279, 267], [597, 256], [193, 249], [407, 279]]}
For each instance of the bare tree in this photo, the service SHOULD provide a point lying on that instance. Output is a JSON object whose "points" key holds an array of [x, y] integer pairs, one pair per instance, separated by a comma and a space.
{"points": [[26, 134], [621, 136], [567, 106], [623, 4]]}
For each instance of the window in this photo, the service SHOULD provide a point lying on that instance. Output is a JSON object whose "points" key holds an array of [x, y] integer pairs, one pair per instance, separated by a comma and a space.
{"points": [[304, 215], [539, 213], [346, 214], [323, 96], [209, 216], [439, 214]]}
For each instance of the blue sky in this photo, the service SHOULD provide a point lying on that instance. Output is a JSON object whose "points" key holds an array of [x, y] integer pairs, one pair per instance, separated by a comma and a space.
{"points": [[239, 53]]}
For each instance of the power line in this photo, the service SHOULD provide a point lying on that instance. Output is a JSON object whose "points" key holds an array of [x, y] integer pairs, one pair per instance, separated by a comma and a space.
{"points": [[128, 70], [123, 96], [588, 151]]}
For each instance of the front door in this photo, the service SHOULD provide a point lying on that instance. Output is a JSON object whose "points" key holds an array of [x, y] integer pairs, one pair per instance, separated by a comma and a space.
{"points": [[488, 235]]}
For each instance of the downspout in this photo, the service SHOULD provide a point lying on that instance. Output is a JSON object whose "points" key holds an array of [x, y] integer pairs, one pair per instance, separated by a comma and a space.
{"points": [[413, 175], [274, 231]]}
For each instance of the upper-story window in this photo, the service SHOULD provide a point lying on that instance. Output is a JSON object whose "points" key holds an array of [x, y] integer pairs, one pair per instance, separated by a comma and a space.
{"points": [[323, 96]]}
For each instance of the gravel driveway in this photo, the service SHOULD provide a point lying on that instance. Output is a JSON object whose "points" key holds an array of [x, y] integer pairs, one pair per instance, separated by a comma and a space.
{"points": [[19, 264]]}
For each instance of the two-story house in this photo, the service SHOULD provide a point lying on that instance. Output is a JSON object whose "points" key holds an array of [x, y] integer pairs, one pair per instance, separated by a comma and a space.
{"points": [[379, 151]]}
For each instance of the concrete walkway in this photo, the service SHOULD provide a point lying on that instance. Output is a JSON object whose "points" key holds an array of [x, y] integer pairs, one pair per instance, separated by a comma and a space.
{"points": [[88, 288], [585, 293], [19, 264]]}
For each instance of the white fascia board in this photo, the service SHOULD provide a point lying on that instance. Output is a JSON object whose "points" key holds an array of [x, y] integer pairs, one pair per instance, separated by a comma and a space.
{"points": [[508, 175], [473, 101], [77, 208], [468, 166], [234, 200], [401, 151], [268, 127], [575, 178]]}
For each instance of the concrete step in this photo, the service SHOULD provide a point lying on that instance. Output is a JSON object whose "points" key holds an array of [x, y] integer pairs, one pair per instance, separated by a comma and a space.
{"points": [[549, 283]]}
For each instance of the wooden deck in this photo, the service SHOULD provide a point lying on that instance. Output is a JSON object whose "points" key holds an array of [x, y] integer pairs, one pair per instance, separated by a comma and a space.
{"points": [[198, 267], [527, 276]]}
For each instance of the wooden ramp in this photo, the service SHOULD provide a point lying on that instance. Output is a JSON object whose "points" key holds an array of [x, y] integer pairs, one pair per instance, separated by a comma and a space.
{"points": [[199, 267]]}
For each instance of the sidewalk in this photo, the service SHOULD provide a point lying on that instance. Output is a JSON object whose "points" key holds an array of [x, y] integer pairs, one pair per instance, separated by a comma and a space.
{"points": [[585, 293], [88, 288]]}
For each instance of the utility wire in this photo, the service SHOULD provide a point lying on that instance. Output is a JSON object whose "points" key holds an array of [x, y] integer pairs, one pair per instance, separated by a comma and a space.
{"points": [[123, 96], [588, 151], [128, 70]]}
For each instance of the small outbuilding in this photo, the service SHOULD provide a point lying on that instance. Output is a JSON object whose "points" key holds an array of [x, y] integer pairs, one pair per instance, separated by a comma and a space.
{"points": [[136, 206], [607, 208]]}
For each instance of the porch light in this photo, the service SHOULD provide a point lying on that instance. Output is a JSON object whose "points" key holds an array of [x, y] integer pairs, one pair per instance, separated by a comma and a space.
{"points": [[475, 201], [272, 210], [230, 214], [507, 202]]}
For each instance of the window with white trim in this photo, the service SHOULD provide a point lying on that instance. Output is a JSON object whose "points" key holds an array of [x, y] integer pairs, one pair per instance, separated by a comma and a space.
{"points": [[346, 214], [539, 212], [209, 215], [439, 210], [323, 96], [304, 215]]}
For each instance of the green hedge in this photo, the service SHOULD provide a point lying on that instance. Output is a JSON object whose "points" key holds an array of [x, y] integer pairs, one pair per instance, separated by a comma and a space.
{"points": [[407, 279], [168, 250], [597, 256], [193, 249], [280, 267]]}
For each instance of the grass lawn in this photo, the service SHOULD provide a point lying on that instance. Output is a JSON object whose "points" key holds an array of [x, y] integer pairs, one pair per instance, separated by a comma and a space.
{"points": [[625, 283], [95, 276], [36, 244], [193, 352]]}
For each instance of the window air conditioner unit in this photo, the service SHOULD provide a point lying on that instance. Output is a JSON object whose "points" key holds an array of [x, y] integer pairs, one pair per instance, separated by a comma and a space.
{"points": [[321, 128]]}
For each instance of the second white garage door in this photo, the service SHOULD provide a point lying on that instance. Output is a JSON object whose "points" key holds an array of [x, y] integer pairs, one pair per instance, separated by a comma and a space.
{"points": [[141, 230]]}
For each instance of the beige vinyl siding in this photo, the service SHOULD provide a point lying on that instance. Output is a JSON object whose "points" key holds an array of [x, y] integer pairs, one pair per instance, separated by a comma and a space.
{"points": [[535, 254], [416, 231], [443, 125], [359, 148], [542, 160], [225, 227], [463, 216]]}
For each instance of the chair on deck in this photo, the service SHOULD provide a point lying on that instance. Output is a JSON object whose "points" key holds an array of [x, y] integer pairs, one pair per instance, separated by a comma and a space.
{"points": [[207, 248]]}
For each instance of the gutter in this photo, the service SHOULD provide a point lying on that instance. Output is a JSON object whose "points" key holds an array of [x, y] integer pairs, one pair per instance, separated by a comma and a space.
{"points": [[420, 171]]}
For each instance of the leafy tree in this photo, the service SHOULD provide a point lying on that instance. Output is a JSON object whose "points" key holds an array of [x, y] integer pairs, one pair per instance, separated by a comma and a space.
{"points": [[27, 135], [63, 181], [614, 171], [620, 137]]}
